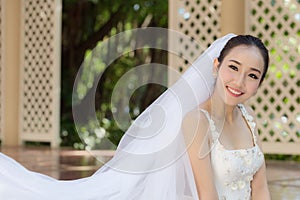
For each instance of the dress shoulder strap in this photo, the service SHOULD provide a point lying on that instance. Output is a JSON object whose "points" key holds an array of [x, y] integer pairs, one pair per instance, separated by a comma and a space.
{"points": [[212, 126], [249, 119]]}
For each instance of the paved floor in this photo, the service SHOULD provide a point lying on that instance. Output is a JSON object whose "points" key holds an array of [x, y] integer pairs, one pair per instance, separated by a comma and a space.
{"points": [[284, 180], [66, 164]]}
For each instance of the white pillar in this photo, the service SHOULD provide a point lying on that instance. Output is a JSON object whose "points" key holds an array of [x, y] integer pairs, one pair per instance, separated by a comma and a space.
{"points": [[233, 17], [10, 77]]}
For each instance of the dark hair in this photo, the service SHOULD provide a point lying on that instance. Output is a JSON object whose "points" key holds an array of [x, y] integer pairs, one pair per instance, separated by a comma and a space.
{"points": [[247, 40]]}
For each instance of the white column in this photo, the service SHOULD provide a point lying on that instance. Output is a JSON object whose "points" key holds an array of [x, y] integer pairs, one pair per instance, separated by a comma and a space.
{"points": [[233, 17], [10, 77]]}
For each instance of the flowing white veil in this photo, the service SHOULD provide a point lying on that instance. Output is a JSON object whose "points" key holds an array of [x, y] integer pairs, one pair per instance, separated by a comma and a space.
{"points": [[151, 160]]}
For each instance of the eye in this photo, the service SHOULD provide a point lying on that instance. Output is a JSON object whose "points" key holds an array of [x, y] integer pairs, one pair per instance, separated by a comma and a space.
{"points": [[253, 76], [233, 67]]}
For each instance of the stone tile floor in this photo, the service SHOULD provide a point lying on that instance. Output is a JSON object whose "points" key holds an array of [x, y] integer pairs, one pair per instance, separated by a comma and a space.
{"points": [[66, 164], [284, 180]]}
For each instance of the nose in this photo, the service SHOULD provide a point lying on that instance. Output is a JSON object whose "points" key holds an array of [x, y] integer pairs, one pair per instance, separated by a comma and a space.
{"points": [[239, 79]]}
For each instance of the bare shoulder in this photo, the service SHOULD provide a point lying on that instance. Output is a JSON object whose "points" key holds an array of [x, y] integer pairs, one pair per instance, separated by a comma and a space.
{"points": [[194, 118], [252, 113], [195, 126]]}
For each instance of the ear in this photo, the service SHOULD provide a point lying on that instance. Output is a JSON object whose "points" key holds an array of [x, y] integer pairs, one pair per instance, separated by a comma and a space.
{"points": [[216, 66]]}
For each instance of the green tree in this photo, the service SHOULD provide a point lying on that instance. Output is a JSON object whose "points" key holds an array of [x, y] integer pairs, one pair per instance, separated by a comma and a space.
{"points": [[84, 24]]}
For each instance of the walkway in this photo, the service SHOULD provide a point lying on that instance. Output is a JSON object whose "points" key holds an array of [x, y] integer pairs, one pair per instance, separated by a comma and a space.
{"points": [[283, 177]]}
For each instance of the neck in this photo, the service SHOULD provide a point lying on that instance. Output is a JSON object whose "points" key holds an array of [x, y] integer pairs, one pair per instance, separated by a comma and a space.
{"points": [[220, 110]]}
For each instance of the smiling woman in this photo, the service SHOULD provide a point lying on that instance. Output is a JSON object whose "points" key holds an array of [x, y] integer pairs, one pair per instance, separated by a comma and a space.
{"points": [[231, 165]]}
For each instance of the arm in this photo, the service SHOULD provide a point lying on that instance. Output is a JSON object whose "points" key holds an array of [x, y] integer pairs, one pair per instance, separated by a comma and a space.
{"points": [[197, 142], [259, 185], [260, 190]]}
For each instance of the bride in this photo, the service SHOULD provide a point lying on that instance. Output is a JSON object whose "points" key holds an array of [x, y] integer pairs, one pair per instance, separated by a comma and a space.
{"points": [[206, 147]]}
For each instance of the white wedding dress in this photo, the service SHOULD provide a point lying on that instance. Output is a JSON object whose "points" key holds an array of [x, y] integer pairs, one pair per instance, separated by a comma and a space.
{"points": [[151, 162], [234, 169]]}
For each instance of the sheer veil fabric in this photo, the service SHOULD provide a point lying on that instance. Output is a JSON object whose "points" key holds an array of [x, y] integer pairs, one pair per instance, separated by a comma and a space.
{"points": [[151, 160]]}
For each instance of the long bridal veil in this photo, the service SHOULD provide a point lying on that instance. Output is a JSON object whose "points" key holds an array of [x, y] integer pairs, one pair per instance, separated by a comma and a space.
{"points": [[151, 160]]}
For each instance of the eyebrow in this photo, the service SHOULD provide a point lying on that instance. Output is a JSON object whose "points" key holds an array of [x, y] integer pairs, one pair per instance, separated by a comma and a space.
{"points": [[252, 68]]}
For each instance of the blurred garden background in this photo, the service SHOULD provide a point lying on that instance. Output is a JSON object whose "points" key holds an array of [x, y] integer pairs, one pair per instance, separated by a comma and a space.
{"points": [[84, 25]]}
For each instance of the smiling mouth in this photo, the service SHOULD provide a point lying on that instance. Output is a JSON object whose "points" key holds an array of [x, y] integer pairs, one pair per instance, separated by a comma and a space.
{"points": [[234, 92]]}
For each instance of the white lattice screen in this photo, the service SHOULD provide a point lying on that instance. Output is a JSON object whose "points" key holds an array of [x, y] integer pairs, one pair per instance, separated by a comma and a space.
{"points": [[197, 19], [277, 104], [40, 71]]}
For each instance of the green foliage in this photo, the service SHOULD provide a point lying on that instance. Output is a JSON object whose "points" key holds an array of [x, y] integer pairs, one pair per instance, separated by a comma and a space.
{"points": [[94, 135], [69, 136], [86, 23], [282, 157]]}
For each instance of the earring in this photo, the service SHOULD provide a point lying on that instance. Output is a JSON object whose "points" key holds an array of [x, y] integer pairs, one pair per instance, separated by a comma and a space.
{"points": [[215, 75]]}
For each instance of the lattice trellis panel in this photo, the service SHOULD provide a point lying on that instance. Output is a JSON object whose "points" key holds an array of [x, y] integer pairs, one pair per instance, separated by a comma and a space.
{"points": [[199, 20], [40, 71], [277, 103]]}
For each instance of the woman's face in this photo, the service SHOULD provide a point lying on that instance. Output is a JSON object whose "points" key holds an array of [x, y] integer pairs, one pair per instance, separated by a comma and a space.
{"points": [[239, 74]]}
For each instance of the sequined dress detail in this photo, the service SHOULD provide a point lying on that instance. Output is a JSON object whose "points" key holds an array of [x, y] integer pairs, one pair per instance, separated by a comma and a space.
{"points": [[234, 169]]}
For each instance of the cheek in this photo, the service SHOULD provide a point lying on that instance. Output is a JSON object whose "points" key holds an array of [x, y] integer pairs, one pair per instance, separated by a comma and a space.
{"points": [[252, 86], [225, 74]]}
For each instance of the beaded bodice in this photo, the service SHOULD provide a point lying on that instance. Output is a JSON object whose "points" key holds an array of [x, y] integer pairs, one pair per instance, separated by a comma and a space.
{"points": [[234, 169]]}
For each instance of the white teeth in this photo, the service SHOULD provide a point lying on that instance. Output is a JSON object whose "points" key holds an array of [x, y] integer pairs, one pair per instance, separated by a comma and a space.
{"points": [[234, 91]]}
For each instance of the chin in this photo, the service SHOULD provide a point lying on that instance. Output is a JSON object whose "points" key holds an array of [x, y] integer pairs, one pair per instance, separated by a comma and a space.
{"points": [[234, 101], [232, 104]]}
